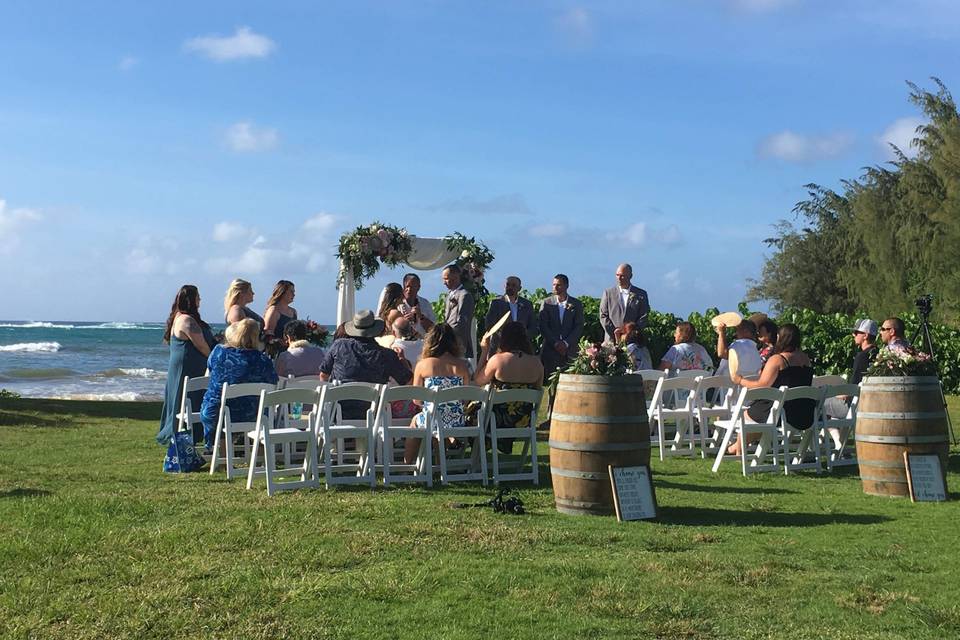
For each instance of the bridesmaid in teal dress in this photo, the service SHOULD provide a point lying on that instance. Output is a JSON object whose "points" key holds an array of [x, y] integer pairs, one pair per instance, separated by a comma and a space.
{"points": [[190, 340], [279, 312], [239, 295]]}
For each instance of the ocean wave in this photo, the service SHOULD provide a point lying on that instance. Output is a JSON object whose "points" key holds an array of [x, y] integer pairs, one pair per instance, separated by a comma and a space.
{"points": [[123, 396], [142, 372], [33, 347], [123, 325], [38, 374], [35, 325]]}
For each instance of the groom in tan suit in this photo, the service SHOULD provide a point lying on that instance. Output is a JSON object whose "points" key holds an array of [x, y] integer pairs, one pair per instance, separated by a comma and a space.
{"points": [[460, 307], [622, 303]]}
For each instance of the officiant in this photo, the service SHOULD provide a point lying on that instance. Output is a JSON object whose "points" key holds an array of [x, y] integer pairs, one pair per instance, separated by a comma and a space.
{"points": [[521, 310]]}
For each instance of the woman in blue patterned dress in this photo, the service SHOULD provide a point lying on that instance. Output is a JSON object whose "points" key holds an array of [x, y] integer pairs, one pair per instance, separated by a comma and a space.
{"points": [[440, 367], [239, 360]]}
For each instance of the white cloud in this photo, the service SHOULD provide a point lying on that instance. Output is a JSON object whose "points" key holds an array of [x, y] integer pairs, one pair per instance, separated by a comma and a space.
{"points": [[323, 222], [635, 235], [244, 43], [506, 204], [670, 235], [12, 221], [128, 62], [760, 6], [576, 26], [900, 133], [547, 230], [141, 261], [244, 137], [229, 232], [789, 146], [672, 279]]}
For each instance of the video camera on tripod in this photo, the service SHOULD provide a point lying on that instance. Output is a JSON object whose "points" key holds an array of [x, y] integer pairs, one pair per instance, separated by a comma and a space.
{"points": [[925, 305]]}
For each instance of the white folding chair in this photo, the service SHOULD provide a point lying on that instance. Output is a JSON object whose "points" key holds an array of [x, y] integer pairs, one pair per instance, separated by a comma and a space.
{"points": [[333, 430], [389, 430], [286, 412], [673, 423], [227, 427], [187, 417], [714, 401], [837, 432], [528, 434], [474, 435], [764, 455], [800, 448], [267, 435], [650, 379], [691, 373], [825, 380]]}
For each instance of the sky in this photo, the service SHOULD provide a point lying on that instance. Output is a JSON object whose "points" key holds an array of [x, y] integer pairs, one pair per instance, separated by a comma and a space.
{"points": [[148, 145]]}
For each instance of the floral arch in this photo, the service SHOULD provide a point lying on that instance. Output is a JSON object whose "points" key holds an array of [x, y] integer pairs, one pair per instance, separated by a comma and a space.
{"points": [[363, 250]]}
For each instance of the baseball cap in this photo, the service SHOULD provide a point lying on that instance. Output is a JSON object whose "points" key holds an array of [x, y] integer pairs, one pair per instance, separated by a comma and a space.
{"points": [[866, 326]]}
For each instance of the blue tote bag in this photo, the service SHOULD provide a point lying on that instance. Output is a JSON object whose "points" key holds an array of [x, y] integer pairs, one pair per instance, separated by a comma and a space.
{"points": [[182, 455]]}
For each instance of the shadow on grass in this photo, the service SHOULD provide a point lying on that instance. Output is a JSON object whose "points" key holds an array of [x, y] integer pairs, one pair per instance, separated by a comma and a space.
{"points": [[15, 419], [90, 408], [716, 489], [25, 493], [700, 516]]}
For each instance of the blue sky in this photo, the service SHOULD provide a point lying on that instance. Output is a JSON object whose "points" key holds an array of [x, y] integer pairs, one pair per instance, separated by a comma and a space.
{"points": [[147, 145]]}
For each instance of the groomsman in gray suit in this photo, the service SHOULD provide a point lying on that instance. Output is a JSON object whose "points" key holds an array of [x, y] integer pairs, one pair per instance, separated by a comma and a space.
{"points": [[561, 325], [460, 306], [521, 310], [622, 303]]}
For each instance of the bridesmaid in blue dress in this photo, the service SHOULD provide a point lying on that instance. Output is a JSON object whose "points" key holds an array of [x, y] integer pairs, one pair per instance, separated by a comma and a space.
{"points": [[239, 295], [279, 312], [190, 340]]}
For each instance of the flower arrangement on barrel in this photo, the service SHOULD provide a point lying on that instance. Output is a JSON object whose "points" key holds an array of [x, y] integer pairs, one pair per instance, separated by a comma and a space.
{"points": [[365, 248], [903, 361]]}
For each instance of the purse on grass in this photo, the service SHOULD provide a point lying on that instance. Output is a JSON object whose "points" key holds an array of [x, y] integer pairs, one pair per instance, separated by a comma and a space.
{"points": [[182, 455]]}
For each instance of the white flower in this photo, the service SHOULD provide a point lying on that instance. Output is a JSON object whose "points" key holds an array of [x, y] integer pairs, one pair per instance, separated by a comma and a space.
{"points": [[464, 254]]}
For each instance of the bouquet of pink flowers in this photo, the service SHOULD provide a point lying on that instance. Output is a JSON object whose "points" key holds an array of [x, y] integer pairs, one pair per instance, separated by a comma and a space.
{"points": [[600, 360], [317, 334], [902, 361]]}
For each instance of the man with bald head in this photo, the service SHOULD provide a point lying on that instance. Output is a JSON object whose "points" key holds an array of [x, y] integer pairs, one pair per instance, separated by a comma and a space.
{"points": [[521, 310], [622, 303]]}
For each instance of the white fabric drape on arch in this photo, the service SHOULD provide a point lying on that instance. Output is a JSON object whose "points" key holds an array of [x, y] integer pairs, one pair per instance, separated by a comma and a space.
{"points": [[428, 254]]}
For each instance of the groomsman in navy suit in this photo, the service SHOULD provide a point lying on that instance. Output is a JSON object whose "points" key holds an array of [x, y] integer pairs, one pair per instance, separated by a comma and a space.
{"points": [[561, 325], [521, 310], [622, 303]]}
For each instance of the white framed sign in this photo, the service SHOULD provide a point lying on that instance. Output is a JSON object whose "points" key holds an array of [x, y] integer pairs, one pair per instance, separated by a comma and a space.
{"points": [[925, 477], [633, 495]]}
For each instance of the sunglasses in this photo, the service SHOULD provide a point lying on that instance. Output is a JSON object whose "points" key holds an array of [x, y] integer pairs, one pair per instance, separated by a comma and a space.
{"points": [[886, 328]]}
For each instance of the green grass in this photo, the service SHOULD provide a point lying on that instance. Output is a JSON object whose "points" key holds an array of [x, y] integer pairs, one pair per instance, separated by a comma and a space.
{"points": [[98, 543]]}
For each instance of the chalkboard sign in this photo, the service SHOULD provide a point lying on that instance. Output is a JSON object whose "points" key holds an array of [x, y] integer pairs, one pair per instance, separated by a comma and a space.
{"points": [[925, 477], [633, 495]]}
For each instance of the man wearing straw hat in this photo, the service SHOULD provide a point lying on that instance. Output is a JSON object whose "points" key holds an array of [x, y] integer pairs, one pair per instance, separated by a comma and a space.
{"points": [[358, 358]]}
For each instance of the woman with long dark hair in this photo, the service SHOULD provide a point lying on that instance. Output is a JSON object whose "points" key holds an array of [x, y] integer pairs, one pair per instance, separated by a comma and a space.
{"points": [[390, 300], [279, 312], [190, 340]]}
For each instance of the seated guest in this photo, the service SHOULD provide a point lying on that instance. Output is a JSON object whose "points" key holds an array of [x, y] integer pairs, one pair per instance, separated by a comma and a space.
{"points": [[891, 332], [301, 357], [865, 338], [686, 354], [767, 337], [238, 360], [279, 312], [406, 342], [390, 300], [239, 295], [746, 358], [358, 358], [513, 367], [415, 307], [635, 341], [787, 367], [440, 367]]}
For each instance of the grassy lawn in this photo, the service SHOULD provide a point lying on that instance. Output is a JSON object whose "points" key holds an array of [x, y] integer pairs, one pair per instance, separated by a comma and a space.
{"points": [[98, 543]]}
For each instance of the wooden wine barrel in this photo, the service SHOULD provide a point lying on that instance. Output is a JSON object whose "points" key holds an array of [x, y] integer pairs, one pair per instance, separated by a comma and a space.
{"points": [[897, 415], [596, 421]]}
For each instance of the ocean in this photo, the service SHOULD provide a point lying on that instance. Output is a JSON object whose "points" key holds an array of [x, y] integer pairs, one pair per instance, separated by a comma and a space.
{"points": [[84, 360]]}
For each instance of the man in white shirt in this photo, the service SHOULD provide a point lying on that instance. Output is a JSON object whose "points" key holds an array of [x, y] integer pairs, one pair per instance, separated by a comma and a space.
{"points": [[521, 310], [622, 303], [414, 307], [741, 357], [460, 308]]}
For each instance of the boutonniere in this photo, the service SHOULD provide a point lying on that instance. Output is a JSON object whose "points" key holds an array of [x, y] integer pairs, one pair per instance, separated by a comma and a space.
{"points": [[452, 302], [568, 306]]}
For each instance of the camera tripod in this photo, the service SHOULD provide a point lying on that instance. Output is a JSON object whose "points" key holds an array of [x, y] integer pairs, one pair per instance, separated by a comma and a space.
{"points": [[923, 333]]}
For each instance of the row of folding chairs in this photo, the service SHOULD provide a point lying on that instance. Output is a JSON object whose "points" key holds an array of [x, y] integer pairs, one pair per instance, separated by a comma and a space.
{"points": [[299, 427], [695, 411]]}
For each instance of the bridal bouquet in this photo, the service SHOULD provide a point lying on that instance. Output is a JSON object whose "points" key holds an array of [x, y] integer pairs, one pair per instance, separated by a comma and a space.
{"points": [[317, 334]]}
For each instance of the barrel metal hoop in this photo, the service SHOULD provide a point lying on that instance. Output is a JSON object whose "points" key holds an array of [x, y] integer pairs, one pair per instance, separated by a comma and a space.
{"points": [[901, 439], [584, 505], [882, 381], [902, 415], [879, 479], [569, 417], [595, 446], [909, 388], [589, 388], [882, 464], [580, 475]]}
